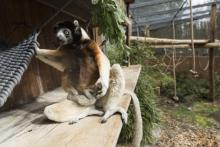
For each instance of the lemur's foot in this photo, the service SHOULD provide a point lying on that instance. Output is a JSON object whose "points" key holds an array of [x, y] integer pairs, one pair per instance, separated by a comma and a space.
{"points": [[73, 121], [111, 112], [124, 118], [103, 120]]}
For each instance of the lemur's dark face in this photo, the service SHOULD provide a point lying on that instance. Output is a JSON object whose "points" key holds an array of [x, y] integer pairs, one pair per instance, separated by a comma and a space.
{"points": [[64, 36], [68, 32]]}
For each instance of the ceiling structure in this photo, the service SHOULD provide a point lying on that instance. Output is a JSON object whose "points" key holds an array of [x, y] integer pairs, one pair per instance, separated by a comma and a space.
{"points": [[157, 19]]}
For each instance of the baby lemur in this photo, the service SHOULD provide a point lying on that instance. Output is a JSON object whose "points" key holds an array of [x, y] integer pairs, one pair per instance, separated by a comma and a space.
{"points": [[114, 96], [86, 72]]}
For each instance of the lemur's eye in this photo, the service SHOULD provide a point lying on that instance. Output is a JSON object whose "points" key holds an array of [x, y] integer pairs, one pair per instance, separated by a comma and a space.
{"points": [[66, 32]]}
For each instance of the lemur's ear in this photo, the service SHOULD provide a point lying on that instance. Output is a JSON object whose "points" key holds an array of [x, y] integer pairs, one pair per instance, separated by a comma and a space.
{"points": [[77, 30], [76, 23]]}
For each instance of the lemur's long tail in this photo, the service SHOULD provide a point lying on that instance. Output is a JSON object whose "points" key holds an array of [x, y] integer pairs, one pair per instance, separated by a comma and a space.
{"points": [[138, 128], [117, 71]]}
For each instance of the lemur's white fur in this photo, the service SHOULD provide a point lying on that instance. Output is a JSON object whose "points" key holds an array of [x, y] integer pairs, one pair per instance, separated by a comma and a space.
{"points": [[111, 102], [85, 36], [104, 75], [138, 124], [69, 111]]}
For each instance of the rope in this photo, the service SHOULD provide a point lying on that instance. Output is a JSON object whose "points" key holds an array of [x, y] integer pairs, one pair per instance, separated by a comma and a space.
{"points": [[175, 97], [193, 70], [201, 66]]}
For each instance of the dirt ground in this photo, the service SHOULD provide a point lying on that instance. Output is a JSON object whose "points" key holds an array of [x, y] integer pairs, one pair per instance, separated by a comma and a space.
{"points": [[179, 132]]}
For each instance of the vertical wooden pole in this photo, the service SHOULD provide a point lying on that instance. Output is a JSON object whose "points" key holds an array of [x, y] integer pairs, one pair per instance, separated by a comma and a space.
{"points": [[211, 53], [147, 31], [128, 31], [175, 97], [137, 29]]}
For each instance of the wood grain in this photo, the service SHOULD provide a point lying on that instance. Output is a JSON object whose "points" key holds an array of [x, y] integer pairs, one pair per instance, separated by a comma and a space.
{"points": [[26, 126]]}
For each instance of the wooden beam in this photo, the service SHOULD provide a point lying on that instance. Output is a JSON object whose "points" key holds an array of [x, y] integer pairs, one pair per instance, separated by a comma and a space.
{"points": [[161, 41], [211, 69], [187, 46], [182, 46]]}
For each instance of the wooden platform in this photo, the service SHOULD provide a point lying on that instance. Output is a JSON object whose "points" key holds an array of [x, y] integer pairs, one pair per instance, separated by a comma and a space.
{"points": [[28, 127]]}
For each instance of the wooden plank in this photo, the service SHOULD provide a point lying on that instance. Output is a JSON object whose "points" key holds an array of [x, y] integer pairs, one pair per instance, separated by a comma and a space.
{"points": [[38, 131], [13, 122], [187, 46], [161, 41]]}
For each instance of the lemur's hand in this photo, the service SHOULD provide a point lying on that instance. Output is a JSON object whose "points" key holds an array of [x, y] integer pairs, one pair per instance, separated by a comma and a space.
{"points": [[37, 44], [102, 87]]}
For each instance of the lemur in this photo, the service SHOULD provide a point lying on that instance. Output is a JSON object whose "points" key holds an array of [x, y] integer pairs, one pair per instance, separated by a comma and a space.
{"points": [[107, 105], [81, 60], [110, 103], [86, 72]]}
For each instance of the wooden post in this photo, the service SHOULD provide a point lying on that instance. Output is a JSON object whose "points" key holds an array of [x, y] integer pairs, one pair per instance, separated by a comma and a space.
{"points": [[211, 53], [147, 31], [128, 31], [175, 97]]}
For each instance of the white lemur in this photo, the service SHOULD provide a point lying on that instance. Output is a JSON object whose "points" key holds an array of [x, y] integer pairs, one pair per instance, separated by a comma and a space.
{"points": [[86, 72], [111, 102]]}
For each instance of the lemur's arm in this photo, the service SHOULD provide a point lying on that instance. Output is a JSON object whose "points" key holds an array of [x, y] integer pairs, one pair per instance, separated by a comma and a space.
{"points": [[104, 69], [50, 57]]}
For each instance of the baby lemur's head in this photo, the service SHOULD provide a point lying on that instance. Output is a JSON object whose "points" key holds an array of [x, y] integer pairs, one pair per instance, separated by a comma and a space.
{"points": [[68, 32]]}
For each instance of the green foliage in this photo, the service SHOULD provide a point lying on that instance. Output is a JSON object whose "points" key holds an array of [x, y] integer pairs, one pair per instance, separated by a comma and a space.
{"points": [[109, 17], [187, 85], [151, 77]]}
